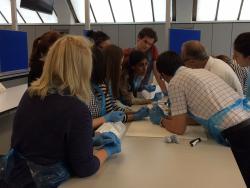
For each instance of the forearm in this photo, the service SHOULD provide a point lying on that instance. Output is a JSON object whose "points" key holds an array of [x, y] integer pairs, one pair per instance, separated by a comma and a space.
{"points": [[160, 82], [191, 121], [130, 117], [172, 126], [140, 101], [97, 122], [101, 155]]}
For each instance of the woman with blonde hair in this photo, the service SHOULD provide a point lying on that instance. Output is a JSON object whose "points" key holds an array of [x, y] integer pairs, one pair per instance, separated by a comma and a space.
{"points": [[52, 130]]}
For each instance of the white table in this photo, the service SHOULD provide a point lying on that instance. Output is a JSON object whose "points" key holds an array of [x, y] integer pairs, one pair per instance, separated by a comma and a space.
{"points": [[11, 97], [148, 162]]}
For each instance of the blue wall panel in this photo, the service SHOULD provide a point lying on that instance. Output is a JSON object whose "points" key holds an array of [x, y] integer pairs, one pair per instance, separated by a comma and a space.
{"points": [[13, 51], [179, 36]]}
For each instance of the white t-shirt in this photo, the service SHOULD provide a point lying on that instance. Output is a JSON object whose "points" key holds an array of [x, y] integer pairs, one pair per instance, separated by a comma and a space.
{"points": [[225, 72]]}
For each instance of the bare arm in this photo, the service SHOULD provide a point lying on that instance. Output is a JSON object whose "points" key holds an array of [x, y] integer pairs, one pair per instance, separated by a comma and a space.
{"points": [[175, 124], [160, 82], [97, 122], [101, 155]]}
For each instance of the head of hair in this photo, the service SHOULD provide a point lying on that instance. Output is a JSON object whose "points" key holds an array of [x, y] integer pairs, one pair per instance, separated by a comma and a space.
{"points": [[194, 50], [99, 67], [242, 44], [97, 37], [224, 58], [68, 66], [113, 59], [148, 32], [135, 57], [42, 44], [168, 62]]}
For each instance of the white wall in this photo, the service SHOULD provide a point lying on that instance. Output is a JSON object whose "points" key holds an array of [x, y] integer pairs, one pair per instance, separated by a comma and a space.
{"points": [[216, 37]]}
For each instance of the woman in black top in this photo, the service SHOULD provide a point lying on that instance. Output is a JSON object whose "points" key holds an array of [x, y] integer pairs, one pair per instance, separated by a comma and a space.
{"points": [[40, 48], [52, 130]]}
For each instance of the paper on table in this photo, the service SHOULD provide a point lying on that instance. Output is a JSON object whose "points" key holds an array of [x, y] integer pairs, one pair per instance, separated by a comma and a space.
{"points": [[118, 128], [147, 129], [2, 88]]}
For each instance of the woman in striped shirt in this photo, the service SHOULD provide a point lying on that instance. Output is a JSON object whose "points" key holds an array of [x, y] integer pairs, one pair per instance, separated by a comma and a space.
{"points": [[105, 88]]}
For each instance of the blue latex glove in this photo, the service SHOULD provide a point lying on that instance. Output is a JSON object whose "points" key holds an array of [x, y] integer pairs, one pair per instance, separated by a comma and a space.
{"points": [[149, 87], [158, 96], [141, 113], [114, 116], [155, 114], [101, 139], [113, 147]]}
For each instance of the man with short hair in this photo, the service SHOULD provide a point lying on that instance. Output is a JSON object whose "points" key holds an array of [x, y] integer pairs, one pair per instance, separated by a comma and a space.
{"points": [[194, 55], [208, 100], [146, 40], [242, 54]]}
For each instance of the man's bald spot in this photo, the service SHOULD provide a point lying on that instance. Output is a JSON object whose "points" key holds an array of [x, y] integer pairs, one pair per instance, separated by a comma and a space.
{"points": [[194, 50]]}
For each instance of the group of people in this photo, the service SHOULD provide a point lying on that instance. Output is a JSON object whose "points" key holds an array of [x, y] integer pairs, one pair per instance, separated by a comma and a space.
{"points": [[77, 84]]}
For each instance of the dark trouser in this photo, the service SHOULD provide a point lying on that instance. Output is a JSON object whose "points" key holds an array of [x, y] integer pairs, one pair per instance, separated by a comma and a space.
{"points": [[238, 137], [17, 172]]}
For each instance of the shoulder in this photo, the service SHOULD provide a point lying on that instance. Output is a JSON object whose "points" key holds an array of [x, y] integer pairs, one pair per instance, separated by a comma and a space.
{"points": [[127, 51], [154, 52]]}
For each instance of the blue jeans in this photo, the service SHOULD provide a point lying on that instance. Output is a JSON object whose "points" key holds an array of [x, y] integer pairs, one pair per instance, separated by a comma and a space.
{"points": [[16, 171]]}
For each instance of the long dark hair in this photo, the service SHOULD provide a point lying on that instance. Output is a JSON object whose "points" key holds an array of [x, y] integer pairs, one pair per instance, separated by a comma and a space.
{"points": [[112, 58], [135, 57], [97, 37], [99, 67], [42, 44]]}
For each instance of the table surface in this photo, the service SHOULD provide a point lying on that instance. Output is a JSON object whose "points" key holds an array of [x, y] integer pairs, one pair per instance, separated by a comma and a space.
{"points": [[149, 162], [11, 97]]}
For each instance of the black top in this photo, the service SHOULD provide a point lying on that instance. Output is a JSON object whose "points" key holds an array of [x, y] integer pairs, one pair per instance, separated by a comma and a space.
{"points": [[36, 70], [58, 128]]}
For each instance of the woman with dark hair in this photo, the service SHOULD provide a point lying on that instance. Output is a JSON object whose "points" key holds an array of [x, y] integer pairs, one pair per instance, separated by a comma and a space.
{"points": [[105, 88], [241, 72], [242, 54], [100, 39], [132, 76], [40, 48]]}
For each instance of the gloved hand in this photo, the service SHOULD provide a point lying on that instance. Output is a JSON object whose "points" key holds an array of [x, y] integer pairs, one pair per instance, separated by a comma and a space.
{"points": [[149, 87], [102, 139], [155, 114], [141, 113], [114, 116], [113, 147], [158, 96]]}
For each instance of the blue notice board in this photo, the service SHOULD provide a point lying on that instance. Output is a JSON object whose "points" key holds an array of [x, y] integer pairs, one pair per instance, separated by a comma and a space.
{"points": [[13, 51], [178, 36]]}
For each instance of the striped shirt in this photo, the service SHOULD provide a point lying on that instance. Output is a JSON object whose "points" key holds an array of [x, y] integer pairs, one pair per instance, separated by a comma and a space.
{"points": [[242, 73], [96, 103], [203, 94]]}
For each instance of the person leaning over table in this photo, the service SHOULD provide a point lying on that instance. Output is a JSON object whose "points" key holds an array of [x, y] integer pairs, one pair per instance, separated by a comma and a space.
{"points": [[146, 39], [242, 54], [194, 55], [208, 100], [105, 88], [131, 79], [52, 130]]}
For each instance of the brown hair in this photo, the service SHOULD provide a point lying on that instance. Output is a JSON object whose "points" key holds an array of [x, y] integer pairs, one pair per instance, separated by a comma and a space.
{"points": [[113, 58], [42, 44], [224, 58]]}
